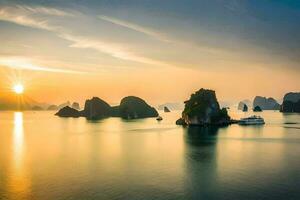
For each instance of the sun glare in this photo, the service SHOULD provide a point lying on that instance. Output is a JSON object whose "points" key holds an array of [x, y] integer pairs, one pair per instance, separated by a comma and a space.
{"points": [[19, 88]]}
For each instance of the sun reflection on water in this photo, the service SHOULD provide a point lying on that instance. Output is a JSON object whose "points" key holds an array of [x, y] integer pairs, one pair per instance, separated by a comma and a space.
{"points": [[18, 137], [18, 183]]}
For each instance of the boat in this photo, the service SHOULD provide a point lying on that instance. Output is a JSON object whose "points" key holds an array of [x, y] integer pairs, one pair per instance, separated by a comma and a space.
{"points": [[253, 120], [159, 118]]}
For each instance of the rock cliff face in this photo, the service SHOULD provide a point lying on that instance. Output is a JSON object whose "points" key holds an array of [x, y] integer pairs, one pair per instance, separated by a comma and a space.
{"points": [[266, 103], [68, 112], [291, 103], [132, 107], [37, 108], [12, 102], [292, 96], [96, 108], [203, 109]]}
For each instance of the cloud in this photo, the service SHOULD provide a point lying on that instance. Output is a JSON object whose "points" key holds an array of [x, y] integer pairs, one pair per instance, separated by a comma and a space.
{"points": [[135, 27], [113, 50], [162, 37], [24, 15], [23, 63], [45, 10]]}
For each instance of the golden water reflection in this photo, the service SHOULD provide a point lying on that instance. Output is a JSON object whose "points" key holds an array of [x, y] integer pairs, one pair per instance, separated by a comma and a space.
{"points": [[18, 138], [18, 182]]}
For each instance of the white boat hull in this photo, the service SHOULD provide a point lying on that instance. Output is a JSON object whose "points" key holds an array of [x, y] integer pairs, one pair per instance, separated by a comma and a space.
{"points": [[253, 120]]}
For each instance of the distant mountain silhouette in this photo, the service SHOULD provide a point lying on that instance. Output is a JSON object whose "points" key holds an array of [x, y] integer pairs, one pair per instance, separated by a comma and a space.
{"points": [[64, 105], [266, 103], [52, 107], [17, 102], [246, 102], [11, 101], [37, 108], [166, 109], [74, 105]]}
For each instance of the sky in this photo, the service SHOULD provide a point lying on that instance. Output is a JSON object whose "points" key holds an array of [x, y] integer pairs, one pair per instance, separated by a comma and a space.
{"points": [[161, 51]]}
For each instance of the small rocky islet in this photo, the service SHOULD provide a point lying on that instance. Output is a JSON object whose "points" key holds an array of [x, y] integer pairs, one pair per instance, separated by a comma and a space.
{"points": [[203, 109], [166, 109]]}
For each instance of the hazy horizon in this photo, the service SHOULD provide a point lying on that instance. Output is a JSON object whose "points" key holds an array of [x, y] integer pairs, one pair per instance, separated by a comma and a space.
{"points": [[161, 51]]}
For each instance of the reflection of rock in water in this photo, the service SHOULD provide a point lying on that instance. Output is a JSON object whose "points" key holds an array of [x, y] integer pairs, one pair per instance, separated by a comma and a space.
{"points": [[199, 141], [201, 163]]}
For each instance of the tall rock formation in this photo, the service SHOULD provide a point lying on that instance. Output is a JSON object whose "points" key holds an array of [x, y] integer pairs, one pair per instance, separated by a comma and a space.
{"points": [[203, 109], [96, 108], [291, 103]]}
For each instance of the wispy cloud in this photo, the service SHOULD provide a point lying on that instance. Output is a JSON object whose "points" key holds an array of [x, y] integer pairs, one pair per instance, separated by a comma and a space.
{"points": [[26, 64], [159, 36], [113, 50], [23, 15], [136, 27], [45, 10]]}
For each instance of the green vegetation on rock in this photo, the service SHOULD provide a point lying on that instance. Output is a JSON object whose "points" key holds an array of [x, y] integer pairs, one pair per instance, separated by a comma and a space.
{"points": [[203, 109]]}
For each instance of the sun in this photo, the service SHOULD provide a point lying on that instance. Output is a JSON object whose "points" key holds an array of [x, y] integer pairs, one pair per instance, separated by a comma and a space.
{"points": [[18, 88]]}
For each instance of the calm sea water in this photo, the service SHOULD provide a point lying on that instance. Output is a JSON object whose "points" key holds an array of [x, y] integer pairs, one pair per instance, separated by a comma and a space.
{"points": [[44, 157]]}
